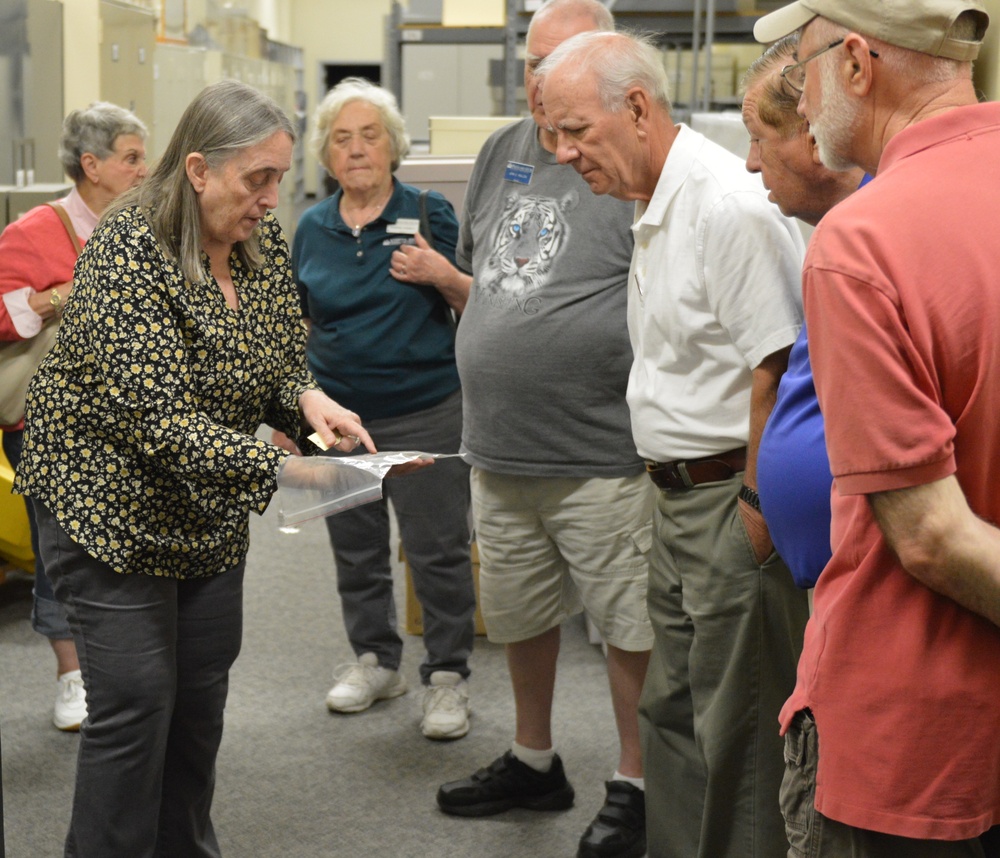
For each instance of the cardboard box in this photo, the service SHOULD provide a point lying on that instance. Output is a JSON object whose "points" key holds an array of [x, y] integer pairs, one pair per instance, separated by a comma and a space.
{"points": [[474, 13], [463, 135], [414, 614], [679, 68]]}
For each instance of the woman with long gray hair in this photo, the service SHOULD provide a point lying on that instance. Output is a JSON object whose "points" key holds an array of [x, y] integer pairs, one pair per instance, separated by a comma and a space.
{"points": [[182, 336]]}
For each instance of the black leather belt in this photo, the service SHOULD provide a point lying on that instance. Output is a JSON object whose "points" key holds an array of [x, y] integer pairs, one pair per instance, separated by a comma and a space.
{"points": [[686, 474]]}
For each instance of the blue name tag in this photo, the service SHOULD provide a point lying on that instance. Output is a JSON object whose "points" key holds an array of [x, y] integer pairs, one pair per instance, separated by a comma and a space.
{"points": [[520, 173]]}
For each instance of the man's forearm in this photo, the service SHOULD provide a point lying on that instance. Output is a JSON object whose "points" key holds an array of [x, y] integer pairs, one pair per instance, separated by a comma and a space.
{"points": [[455, 288], [943, 544], [763, 395]]}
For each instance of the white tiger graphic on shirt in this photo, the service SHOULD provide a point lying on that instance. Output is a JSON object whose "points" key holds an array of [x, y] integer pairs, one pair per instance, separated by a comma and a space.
{"points": [[531, 233]]}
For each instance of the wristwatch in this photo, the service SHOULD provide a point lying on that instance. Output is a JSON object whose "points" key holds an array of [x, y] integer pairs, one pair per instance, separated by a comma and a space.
{"points": [[750, 496], [55, 299]]}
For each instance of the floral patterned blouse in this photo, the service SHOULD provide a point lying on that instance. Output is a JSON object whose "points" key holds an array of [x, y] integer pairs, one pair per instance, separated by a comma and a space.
{"points": [[140, 422]]}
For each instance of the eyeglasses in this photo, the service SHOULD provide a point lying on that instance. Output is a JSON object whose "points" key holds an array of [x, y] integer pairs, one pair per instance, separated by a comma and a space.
{"points": [[795, 74]]}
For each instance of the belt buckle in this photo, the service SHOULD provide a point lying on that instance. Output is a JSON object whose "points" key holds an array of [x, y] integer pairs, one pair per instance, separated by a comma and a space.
{"points": [[682, 470], [670, 476]]}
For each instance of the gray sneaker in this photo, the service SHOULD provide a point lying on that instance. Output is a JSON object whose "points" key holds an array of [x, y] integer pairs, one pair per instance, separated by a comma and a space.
{"points": [[359, 685], [446, 706]]}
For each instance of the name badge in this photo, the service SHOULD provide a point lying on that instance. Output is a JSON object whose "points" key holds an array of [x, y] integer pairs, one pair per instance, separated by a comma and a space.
{"points": [[517, 172], [405, 226]]}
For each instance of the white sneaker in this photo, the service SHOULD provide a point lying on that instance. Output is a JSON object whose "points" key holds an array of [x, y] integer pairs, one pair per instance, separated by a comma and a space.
{"points": [[360, 685], [71, 704], [446, 706]]}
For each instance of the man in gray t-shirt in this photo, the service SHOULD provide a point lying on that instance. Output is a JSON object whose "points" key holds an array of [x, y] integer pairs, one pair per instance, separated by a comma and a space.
{"points": [[543, 350], [562, 505]]}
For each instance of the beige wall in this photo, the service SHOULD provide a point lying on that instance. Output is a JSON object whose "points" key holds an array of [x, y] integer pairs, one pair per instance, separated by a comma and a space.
{"points": [[341, 31]]}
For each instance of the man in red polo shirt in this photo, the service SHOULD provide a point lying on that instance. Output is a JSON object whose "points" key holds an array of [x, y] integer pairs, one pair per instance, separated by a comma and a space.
{"points": [[892, 731]]}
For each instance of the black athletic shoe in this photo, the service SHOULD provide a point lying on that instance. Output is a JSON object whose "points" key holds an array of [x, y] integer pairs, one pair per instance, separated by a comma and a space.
{"points": [[507, 783], [619, 829]]}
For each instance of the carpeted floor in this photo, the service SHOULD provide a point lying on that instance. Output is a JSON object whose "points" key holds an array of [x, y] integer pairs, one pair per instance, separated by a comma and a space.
{"points": [[295, 781]]}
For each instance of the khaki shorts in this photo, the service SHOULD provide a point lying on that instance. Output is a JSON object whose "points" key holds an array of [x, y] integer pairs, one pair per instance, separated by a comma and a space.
{"points": [[550, 547]]}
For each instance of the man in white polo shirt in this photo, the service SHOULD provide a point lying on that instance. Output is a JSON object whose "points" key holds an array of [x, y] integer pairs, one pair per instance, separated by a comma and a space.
{"points": [[713, 310]]}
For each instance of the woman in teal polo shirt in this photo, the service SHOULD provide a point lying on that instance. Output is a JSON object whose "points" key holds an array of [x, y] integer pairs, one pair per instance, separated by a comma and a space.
{"points": [[385, 349]]}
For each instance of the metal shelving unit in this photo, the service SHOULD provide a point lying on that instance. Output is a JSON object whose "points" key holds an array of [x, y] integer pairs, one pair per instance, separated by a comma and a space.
{"points": [[687, 24], [399, 33]]}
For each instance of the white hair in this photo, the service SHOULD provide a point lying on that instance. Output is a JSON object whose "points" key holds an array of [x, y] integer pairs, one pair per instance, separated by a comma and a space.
{"points": [[358, 89], [619, 62], [597, 12]]}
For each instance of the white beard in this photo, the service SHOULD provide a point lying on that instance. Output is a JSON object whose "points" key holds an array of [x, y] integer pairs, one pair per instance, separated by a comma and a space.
{"points": [[835, 123]]}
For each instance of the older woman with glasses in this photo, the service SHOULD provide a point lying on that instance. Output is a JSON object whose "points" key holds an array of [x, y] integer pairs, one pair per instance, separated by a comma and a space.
{"points": [[381, 342]]}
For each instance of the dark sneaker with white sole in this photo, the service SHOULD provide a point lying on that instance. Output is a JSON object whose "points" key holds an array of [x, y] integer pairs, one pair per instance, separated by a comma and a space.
{"points": [[619, 829], [507, 783]]}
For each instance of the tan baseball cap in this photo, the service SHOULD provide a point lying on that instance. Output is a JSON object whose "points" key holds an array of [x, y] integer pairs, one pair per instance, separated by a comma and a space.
{"points": [[920, 25]]}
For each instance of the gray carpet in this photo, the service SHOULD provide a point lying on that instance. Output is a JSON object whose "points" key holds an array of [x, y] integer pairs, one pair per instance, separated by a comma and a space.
{"points": [[294, 780]]}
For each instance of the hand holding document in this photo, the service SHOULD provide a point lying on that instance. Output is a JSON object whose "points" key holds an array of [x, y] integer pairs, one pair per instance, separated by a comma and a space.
{"points": [[315, 486]]}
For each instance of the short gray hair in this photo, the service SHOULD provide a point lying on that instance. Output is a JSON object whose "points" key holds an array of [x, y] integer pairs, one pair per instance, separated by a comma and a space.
{"points": [[94, 129], [919, 69], [778, 105], [603, 20], [619, 61], [223, 120], [358, 89]]}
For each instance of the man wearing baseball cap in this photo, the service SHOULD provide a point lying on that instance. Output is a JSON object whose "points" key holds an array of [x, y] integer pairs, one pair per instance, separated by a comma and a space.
{"points": [[892, 736]]}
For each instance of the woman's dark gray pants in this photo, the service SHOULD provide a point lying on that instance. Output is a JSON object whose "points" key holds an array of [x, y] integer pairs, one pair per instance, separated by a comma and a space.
{"points": [[155, 654]]}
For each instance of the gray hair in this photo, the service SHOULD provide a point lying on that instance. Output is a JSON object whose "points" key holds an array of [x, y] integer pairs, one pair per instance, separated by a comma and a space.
{"points": [[778, 103], [94, 129], [619, 61], [224, 119], [597, 12], [358, 89]]}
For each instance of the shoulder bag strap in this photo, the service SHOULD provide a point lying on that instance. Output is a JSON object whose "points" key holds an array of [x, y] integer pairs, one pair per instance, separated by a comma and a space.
{"points": [[425, 231], [64, 217], [425, 221]]}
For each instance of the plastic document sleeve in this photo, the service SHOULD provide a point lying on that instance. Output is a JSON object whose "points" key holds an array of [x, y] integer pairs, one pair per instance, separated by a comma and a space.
{"points": [[317, 486]]}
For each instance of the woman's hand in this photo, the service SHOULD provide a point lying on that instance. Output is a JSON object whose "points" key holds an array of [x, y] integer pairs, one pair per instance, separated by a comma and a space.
{"points": [[339, 428], [409, 467], [49, 302], [280, 439], [419, 263]]}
